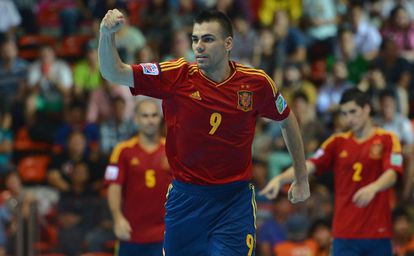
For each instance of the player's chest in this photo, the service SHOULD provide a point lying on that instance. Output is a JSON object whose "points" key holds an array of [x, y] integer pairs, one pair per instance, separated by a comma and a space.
{"points": [[356, 158], [238, 97]]}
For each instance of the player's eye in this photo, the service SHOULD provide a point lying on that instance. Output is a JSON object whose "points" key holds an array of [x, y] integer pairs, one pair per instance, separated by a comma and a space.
{"points": [[208, 40]]}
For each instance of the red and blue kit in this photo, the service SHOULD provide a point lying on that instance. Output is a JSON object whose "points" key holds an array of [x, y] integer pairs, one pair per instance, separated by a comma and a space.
{"points": [[210, 125], [144, 177], [357, 163]]}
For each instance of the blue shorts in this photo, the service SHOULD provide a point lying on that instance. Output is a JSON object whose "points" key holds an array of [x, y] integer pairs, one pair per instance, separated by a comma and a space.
{"points": [[129, 249], [362, 247], [210, 220]]}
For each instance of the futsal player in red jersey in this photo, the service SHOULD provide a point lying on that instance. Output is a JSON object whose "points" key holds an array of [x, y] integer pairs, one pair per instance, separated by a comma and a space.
{"points": [[138, 175], [366, 161], [210, 109]]}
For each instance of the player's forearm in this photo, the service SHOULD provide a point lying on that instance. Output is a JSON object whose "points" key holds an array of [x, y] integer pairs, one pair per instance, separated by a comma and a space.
{"points": [[111, 66], [293, 140], [114, 200], [288, 176], [386, 180]]}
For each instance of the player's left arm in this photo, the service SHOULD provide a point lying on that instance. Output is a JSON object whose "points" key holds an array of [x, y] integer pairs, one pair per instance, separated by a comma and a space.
{"points": [[299, 190], [365, 194]]}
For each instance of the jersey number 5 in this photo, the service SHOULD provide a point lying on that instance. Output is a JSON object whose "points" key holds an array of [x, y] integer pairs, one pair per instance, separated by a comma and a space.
{"points": [[357, 172], [215, 121], [150, 178]]}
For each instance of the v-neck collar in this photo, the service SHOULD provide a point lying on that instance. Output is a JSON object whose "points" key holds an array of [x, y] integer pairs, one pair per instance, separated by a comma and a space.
{"points": [[233, 72]]}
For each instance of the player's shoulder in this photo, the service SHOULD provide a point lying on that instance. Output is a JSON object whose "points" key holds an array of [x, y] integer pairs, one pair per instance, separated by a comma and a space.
{"points": [[381, 132], [122, 146], [257, 76], [339, 136], [175, 64]]}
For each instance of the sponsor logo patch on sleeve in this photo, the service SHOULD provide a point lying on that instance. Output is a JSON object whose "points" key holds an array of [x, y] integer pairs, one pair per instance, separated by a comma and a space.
{"points": [[111, 172], [280, 104], [396, 159], [150, 69]]}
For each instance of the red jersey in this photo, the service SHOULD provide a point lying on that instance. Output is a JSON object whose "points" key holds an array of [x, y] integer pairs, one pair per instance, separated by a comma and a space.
{"points": [[210, 125], [144, 177], [355, 164]]}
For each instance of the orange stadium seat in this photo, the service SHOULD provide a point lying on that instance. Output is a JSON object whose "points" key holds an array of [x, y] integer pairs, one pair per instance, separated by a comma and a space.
{"points": [[72, 46], [32, 169], [29, 45], [134, 8]]}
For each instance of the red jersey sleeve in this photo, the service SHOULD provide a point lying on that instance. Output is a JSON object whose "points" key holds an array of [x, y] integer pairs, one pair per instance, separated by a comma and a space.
{"points": [[274, 106], [324, 156], [115, 171], [158, 80], [392, 154]]}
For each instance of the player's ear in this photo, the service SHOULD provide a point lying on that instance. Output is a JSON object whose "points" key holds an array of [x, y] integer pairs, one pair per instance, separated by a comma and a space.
{"points": [[228, 42]]}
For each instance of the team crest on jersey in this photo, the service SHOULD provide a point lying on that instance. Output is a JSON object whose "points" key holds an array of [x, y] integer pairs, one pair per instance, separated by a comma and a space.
{"points": [[150, 69], [375, 151], [245, 100]]}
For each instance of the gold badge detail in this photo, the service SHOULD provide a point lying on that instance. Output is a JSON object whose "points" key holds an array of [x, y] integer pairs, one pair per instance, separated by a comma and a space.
{"points": [[245, 100]]}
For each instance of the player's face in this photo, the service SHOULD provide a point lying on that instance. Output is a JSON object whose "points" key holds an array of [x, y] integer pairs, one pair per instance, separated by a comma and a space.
{"points": [[355, 116], [148, 118], [211, 48]]}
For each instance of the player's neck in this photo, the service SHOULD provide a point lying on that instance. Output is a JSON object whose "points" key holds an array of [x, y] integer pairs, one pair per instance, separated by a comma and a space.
{"points": [[149, 143], [220, 73], [365, 131]]}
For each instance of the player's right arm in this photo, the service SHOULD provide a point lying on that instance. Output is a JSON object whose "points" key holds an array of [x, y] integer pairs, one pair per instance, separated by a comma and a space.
{"points": [[122, 228], [111, 66], [273, 187]]}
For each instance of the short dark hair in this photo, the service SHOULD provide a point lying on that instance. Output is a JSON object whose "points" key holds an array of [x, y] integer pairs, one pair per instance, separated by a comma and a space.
{"points": [[215, 15], [354, 94], [387, 93]]}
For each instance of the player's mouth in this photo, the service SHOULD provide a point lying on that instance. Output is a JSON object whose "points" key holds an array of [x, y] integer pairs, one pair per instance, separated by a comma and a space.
{"points": [[201, 57]]}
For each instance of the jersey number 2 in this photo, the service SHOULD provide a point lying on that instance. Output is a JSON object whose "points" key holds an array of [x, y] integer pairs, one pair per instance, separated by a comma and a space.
{"points": [[215, 121], [357, 172]]}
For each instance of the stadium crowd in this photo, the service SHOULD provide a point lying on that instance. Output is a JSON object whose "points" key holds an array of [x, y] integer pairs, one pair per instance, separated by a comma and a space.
{"points": [[59, 119]]}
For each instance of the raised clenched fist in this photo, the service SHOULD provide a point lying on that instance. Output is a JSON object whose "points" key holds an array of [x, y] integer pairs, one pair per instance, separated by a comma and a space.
{"points": [[112, 22]]}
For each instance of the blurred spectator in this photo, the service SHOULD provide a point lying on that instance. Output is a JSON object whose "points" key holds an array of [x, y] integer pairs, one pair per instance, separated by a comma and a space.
{"points": [[156, 20], [244, 41], [391, 120], [320, 22], [99, 9], [345, 50], [397, 72], [264, 53], [262, 142], [117, 128], [6, 142], [19, 203], [147, 54], [373, 82], [180, 47], [401, 29], [388, 5], [86, 74], [76, 121], [293, 82], [259, 175], [62, 164], [367, 37], [289, 45], [27, 9], [402, 239], [274, 231], [184, 15], [312, 130], [9, 17], [233, 8], [330, 93], [13, 74], [320, 232], [78, 209], [50, 80], [129, 40], [100, 107], [297, 243], [268, 8]]}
